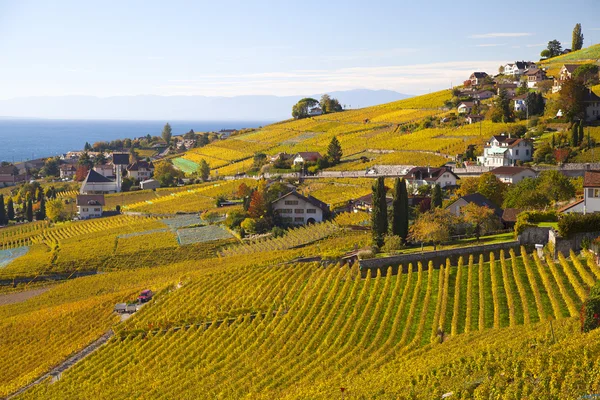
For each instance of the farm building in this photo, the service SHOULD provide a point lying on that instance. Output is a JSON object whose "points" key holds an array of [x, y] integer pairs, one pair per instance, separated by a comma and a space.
{"points": [[296, 209], [90, 205]]}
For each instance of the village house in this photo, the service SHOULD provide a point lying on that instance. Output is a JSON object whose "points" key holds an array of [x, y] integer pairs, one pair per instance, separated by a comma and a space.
{"points": [[513, 175], [592, 106], [106, 170], [519, 103], [519, 68], [9, 175], [140, 170], [535, 76], [473, 118], [304, 157], [478, 78], [315, 111], [67, 171], [566, 72], [503, 150], [475, 198], [365, 203], [465, 107], [149, 184], [90, 205], [483, 95], [226, 133], [296, 209], [511, 88], [96, 183], [420, 176], [591, 195]]}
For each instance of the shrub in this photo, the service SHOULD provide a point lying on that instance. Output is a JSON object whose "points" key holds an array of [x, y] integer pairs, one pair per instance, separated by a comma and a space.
{"points": [[277, 232], [590, 312], [366, 254], [532, 218], [573, 223], [248, 225], [392, 243]]}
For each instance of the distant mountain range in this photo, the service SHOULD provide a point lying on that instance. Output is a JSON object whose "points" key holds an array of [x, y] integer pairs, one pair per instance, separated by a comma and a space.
{"points": [[197, 108]]}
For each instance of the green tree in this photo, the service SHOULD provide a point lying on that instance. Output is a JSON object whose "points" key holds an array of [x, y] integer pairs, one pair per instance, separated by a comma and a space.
{"points": [[51, 167], [29, 210], [587, 74], [571, 99], [500, 111], [545, 53], [554, 48], [204, 170], [433, 226], [301, 108], [526, 195], [334, 151], [482, 220], [400, 209], [86, 161], [41, 213], [574, 135], [3, 219], [167, 133], [379, 221], [10, 209], [258, 161], [556, 185], [491, 187], [55, 210], [436, 197], [577, 40], [87, 147]]}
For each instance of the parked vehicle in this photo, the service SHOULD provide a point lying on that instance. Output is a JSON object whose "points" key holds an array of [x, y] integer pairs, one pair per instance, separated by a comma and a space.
{"points": [[145, 296], [124, 308]]}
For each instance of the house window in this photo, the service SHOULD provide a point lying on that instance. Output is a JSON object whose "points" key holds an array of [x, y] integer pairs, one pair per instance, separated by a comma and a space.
{"points": [[291, 202], [527, 152], [299, 219], [299, 211], [517, 152], [311, 211], [595, 192], [287, 219], [97, 209], [285, 211]]}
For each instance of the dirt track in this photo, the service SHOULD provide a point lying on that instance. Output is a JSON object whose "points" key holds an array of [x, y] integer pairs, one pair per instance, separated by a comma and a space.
{"points": [[13, 298]]}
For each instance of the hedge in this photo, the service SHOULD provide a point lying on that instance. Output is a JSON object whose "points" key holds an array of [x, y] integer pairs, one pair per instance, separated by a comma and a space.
{"points": [[532, 218], [572, 223]]}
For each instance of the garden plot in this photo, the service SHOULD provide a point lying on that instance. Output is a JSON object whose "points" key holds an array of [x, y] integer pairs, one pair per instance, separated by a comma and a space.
{"points": [[202, 234], [183, 221], [7, 256]]}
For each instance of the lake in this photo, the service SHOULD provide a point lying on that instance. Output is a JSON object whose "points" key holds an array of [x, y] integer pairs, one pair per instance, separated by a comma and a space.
{"points": [[26, 139]]}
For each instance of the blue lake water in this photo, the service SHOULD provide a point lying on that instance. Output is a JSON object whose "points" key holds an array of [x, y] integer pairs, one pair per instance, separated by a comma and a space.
{"points": [[26, 139]]}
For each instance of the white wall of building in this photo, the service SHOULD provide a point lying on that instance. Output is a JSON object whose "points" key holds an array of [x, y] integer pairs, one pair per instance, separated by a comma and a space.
{"points": [[294, 210]]}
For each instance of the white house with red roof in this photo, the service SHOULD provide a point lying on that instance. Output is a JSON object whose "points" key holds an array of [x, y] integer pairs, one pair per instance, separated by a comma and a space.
{"points": [[296, 209], [513, 175], [90, 205], [591, 195], [502, 150], [306, 156], [420, 176]]}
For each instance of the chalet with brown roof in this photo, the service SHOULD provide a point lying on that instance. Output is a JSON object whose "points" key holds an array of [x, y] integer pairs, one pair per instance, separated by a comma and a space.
{"points": [[9, 175], [296, 209], [535, 76], [503, 150], [513, 175], [478, 78], [90, 205], [511, 88], [67, 171], [566, 72], [465, 107], [420, 176], [140, 170]]}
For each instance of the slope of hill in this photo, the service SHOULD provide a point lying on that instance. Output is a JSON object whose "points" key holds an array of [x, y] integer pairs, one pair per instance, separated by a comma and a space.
{"points": [[393, 133], [589, 54], [246, 328]]}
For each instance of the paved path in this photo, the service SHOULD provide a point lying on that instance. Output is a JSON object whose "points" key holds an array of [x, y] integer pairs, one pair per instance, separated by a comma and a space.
{"points": [[56, 372]]}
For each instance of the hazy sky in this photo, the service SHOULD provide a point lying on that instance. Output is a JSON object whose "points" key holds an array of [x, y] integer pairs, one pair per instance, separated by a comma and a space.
{"points": [[228, 48]]}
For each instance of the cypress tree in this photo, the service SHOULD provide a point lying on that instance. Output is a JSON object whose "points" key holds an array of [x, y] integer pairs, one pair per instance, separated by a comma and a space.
{"points": [[379, 214], [574, 135], [2, 211], [29, 210], [581, 135], [10, 209], [436, 197], [400, 209], [41, 214], [334, 151]]}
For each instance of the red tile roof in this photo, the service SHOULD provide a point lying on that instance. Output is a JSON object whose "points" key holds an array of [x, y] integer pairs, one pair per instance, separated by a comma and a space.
{"points": [[591, 179]]}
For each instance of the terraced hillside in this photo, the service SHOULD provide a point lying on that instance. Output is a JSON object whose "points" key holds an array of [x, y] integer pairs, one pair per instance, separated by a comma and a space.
{"points": [[589, 54], [244, 328], [390, 133]]}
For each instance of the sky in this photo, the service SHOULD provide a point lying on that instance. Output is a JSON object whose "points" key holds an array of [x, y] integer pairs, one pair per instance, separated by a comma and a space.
{"points": [[231, 48]]}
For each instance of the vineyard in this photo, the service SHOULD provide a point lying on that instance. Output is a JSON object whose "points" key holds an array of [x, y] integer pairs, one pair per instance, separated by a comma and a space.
{"points": [[258, 330]]}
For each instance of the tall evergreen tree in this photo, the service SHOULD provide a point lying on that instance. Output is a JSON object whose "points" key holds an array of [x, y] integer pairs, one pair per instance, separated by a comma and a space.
{"points": [[2, 211], [29, 210], [577, 40], [400, 209], [574, 135], [379, 214], [334, 151], [41, 214], [581, 134], [167, 133], [10, 209], [436, 197]]}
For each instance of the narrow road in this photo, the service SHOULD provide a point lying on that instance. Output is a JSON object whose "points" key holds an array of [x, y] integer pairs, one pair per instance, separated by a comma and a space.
{"points": [[55, 373]]}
